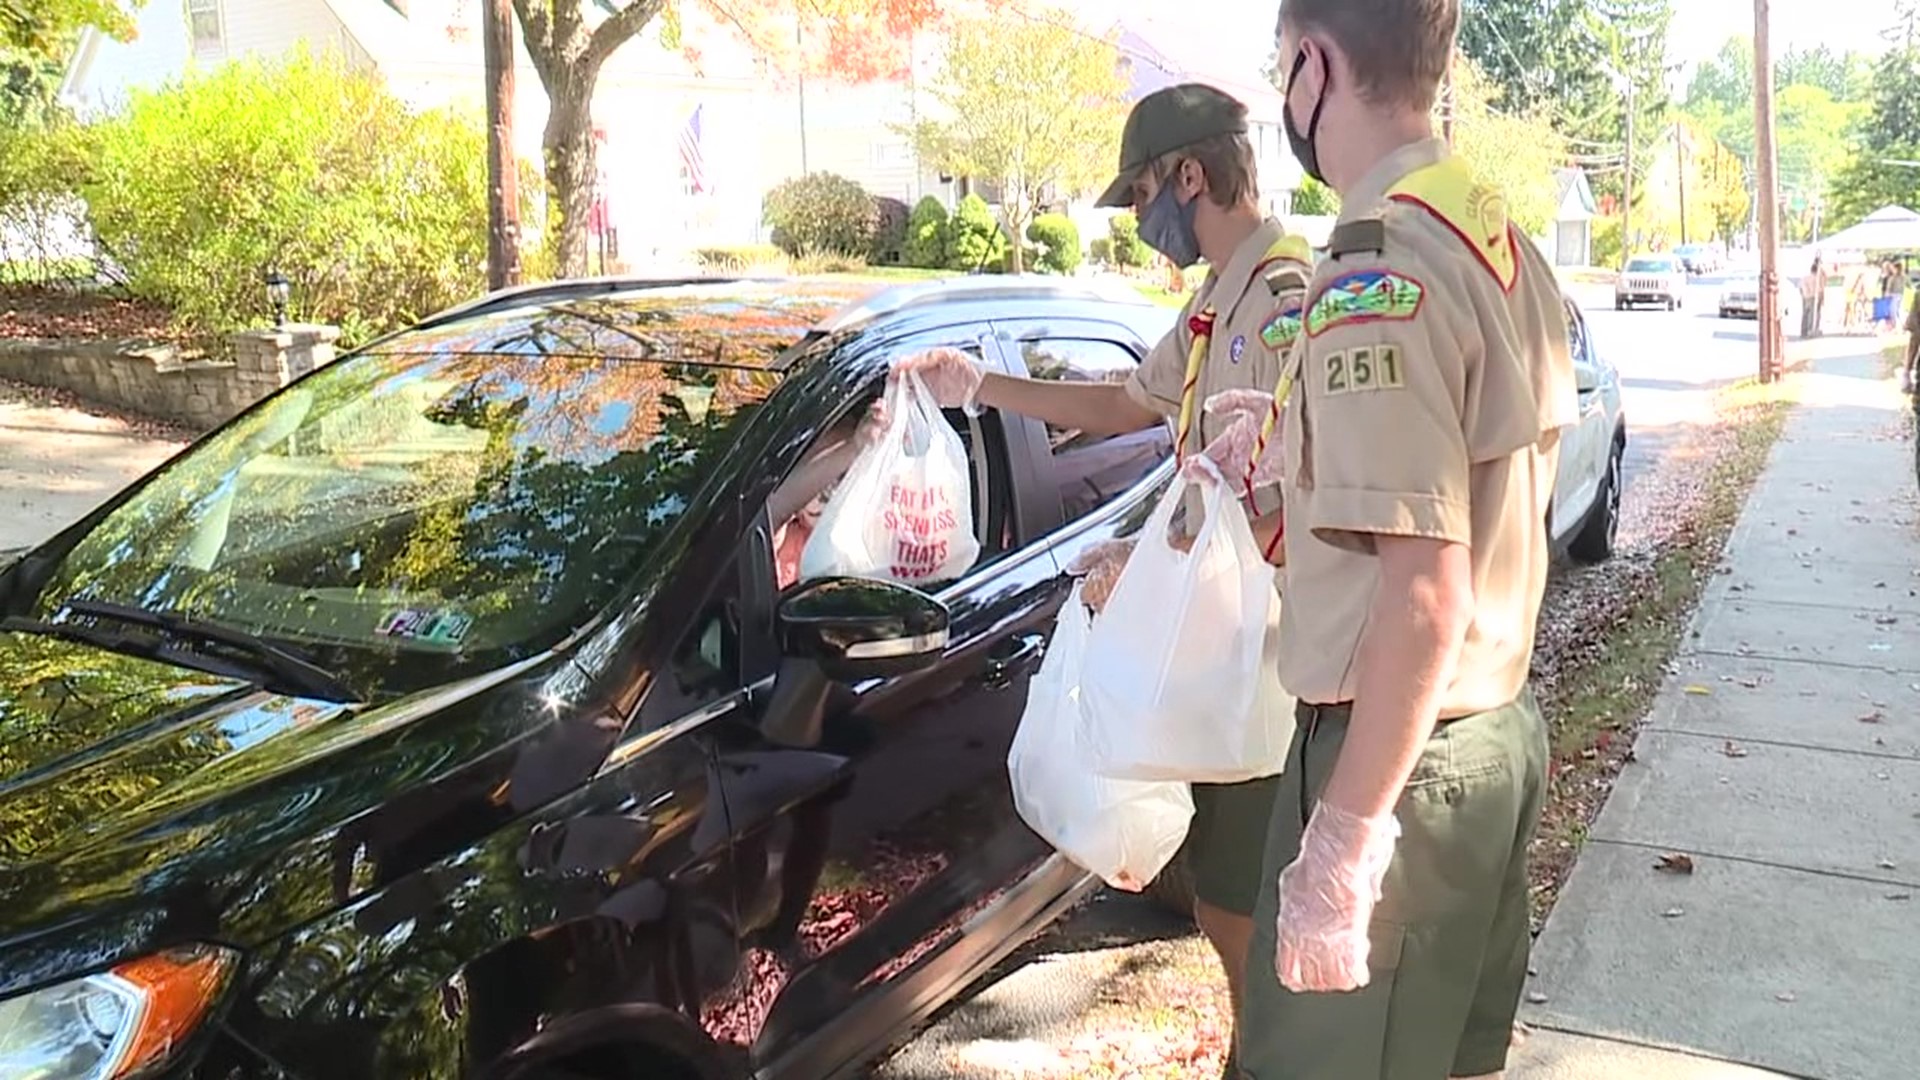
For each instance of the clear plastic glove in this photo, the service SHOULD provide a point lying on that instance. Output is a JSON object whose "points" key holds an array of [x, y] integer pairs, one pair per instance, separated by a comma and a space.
{"points": [[1244, 413], [1100, 565], [951, 376], [1326, 900]]}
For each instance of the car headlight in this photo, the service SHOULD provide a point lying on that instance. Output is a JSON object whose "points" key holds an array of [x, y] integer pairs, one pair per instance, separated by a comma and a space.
{"points": [[117, 1024]]}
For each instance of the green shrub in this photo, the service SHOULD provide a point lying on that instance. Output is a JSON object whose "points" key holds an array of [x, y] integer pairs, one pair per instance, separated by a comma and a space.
{"points": [[827, 261], [41, 215], [927, 226], [739, 258], [376, 214], [821, 212], [974, 239], [1128, 249], [1606, 243], [1315, 199], [889, 231], [1059, 240], [1100, 250]]}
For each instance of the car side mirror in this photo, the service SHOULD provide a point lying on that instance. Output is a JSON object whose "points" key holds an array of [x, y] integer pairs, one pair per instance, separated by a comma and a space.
{"points": [[856, 628], [1585, 379]]}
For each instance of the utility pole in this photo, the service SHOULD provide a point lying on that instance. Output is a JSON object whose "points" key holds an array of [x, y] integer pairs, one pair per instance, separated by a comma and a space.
{"points": [[1768, 195], [503, 173], [1680, 155], [800, 62], [1626, 204]]}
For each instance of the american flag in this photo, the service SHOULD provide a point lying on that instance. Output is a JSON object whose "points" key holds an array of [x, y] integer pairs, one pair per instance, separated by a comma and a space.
{"points": [[690, 157]]}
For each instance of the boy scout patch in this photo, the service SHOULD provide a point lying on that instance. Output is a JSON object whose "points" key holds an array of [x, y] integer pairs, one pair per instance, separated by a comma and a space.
{"points": [[1280, 330], [1365, 296], [1364, 367]]}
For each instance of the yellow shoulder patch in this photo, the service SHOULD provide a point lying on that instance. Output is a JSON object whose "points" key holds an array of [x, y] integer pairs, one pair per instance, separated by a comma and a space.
{"points": [[1475, 211]]}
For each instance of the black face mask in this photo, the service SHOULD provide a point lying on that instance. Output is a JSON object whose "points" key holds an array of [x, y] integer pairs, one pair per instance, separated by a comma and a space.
{"points": [[1302, 146]]}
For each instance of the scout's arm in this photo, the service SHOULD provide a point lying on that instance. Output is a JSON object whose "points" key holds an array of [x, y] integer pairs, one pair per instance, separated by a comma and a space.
{"points": [[1390, 460], [1406, 660], [1095, 408]]}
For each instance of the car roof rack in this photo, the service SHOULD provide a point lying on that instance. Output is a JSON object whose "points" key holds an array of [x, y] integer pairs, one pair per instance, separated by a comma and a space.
{"points": [[901, 298]]}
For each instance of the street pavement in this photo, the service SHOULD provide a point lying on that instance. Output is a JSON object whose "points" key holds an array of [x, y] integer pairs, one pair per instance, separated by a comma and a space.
{"points": [[57, 463], [1783, 758]]}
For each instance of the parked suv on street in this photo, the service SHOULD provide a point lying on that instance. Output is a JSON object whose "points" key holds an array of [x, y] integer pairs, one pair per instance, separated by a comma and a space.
{"points": [[456, 711], [1651, 279]]}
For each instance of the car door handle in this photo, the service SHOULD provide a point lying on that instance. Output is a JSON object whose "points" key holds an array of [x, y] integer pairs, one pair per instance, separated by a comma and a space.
{"points": [[1013, 657]]}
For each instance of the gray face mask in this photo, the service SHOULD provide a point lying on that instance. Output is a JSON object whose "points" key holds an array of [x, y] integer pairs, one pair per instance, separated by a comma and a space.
{"points": [[1167, 227]]}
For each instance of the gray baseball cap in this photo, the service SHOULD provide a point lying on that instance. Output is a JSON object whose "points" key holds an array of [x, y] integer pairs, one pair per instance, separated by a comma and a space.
{"points": [[1165, 121]]}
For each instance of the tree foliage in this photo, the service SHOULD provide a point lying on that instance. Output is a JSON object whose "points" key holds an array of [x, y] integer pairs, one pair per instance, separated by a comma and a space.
{"points": [[1032, 104], [376, 213], [1315, 198], [1890, 136], [47, 27], [1517, 153]]}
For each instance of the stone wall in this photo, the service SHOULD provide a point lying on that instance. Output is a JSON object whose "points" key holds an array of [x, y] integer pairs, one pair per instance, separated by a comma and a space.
{"points": [[162, 382]]}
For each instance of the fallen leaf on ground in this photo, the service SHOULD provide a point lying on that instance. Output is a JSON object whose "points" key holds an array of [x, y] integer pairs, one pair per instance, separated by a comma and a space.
{"points": [[1699, 691], [1887, 864], [1673, 913], [1873, 717], [1673, 862], [1733, 749], [1535, 997], [1899, 896], [1786, 996]]}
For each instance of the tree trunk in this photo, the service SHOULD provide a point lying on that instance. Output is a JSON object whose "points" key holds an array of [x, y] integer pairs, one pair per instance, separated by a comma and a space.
{"points": [[568, 143], [1015, 211]]}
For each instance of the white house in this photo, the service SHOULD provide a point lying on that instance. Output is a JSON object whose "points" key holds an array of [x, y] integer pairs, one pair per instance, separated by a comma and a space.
{"points": [[1569, 239], [754, 130]]}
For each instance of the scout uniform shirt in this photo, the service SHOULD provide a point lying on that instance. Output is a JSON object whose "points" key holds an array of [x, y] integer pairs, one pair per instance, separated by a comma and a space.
{"points": [[1433, 378], [1265, 280]]}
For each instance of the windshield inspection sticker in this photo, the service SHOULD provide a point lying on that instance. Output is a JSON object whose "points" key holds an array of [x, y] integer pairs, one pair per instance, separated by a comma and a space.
{"points": [[431, 627]]}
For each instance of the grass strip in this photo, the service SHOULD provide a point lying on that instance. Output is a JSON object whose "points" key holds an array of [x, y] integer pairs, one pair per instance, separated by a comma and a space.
{"points": [[1598, 703]]}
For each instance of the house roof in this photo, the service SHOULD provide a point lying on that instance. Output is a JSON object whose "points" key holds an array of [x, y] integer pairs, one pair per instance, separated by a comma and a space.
{"points": [[1573, 184], [1164, 54]]}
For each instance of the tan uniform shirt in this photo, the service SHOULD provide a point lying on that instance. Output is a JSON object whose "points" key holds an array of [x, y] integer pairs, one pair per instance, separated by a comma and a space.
{"points": [[1246, 297], [1429, 404]]}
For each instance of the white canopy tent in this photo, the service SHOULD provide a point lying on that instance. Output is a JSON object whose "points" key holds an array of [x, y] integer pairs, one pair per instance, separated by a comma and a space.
{"points": [[1890, 228]]}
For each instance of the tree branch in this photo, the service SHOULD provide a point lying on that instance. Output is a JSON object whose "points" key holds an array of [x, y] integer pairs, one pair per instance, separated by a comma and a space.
{"points": [[536, 30], [621, 28]]}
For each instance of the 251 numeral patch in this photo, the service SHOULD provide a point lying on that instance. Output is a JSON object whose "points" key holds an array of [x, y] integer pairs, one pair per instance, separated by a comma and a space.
{"points": [[1365, 367]]}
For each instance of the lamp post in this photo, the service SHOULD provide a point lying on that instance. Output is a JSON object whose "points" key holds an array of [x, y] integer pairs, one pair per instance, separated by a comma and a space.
{"points": [[279, 289]]}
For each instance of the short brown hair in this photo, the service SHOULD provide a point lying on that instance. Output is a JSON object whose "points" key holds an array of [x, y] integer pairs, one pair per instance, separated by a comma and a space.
{"points": [[1228, 162], [1399, 48]]}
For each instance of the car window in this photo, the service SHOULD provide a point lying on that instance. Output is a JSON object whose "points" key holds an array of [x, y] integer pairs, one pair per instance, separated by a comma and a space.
{"points": [[438, 502], [1577, 343], [1092, 470], [1650, 266], [794, 511]]}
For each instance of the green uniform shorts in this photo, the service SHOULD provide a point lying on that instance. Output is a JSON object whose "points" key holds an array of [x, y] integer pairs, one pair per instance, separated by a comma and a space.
{"points": [[1226, 841], [1450, 934]]}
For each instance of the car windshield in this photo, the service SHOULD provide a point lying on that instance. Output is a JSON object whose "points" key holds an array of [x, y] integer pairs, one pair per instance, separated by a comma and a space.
{"points": [[477, 487], [1650, 266]]}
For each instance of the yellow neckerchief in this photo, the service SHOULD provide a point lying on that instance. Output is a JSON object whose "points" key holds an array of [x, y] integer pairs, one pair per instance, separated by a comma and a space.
{"points": [[1286, 247]]}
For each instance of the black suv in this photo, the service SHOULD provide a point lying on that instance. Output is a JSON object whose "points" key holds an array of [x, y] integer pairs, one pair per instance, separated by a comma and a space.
{"points": [[448, 713]]}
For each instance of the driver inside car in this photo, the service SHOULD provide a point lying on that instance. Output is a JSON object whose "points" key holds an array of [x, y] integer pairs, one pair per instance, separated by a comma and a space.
{"points": [[798, 502]]}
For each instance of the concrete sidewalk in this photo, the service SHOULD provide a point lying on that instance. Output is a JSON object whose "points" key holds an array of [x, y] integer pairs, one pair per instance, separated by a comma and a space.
{"points": [[1783, 757], [58, 462]]}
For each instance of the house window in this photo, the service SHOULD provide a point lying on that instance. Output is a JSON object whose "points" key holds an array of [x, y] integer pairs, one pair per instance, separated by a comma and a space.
{"points": [[206, 26]]}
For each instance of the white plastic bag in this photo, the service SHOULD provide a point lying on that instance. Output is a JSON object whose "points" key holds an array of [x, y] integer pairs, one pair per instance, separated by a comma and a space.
{"points": [[1182, 680], [904, 511], [1124, 831]]}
